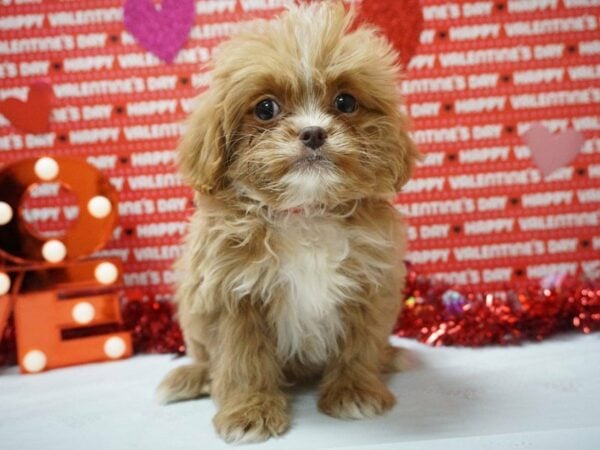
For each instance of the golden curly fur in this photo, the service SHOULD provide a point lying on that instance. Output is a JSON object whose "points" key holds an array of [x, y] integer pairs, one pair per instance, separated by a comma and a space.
{"points": [[292, 267]]}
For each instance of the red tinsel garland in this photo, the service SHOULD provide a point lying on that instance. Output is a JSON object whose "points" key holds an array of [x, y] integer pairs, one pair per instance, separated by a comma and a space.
{"points": [[153, 327], [434, 313], [8, 344], [437, 314]]}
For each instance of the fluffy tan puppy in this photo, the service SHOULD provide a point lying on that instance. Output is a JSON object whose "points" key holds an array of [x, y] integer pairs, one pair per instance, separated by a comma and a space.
{"points": [[292, 266]]}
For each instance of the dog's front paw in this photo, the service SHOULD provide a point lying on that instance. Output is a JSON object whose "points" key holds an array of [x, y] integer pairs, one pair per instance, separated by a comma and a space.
{"points": [[253, 419], [351, 401]]}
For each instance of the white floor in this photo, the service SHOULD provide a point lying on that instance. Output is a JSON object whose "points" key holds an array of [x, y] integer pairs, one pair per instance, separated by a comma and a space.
{"points": [[538, 396]]}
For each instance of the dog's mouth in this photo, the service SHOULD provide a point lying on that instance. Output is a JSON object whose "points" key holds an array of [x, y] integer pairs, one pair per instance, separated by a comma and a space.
{"points": [[313, 160]]}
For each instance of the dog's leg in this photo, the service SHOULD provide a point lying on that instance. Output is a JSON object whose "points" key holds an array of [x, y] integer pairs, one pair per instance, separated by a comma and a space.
{"points": [[189, 381], [393, 359], [247, 379], [184, 383], [351, 387]]}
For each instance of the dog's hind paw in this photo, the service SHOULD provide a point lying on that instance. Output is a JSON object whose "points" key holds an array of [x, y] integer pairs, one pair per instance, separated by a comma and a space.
{"points": [[184, 383]]}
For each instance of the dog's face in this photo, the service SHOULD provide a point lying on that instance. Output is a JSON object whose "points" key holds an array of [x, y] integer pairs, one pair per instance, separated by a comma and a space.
{"points": [[301, 111]]}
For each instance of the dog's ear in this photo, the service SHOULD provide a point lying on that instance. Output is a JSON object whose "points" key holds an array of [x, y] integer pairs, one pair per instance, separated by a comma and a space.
{"points": [[201, 152], [406, 157]]}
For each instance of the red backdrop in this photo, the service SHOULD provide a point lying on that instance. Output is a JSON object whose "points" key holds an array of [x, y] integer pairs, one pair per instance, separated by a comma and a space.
{"points": [[479, 208]]}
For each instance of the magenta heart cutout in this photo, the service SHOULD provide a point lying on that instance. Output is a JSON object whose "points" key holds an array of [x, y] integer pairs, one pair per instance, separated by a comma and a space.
{"points": [[161, 28], [552, 151]]}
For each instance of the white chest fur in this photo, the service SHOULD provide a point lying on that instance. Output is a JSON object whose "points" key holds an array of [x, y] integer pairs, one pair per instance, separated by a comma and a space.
{"points": [[309, 321]]}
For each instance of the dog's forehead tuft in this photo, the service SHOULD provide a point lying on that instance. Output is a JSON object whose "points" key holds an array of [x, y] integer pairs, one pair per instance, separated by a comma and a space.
{"points": [[309, 50]]}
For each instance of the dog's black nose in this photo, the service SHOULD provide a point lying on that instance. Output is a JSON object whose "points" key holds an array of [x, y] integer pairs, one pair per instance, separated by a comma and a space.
{"points": [[313, 137]]}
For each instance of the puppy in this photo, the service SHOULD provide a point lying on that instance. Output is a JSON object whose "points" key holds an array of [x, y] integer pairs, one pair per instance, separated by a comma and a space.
{"points": [[292, 266]]}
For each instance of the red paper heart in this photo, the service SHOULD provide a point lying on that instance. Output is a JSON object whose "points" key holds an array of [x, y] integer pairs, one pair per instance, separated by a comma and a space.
{"points": [[400, 20], [550, 151], [33, 115]]}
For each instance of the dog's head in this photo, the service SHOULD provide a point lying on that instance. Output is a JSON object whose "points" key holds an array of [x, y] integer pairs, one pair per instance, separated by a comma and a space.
{"points": [[302, 110]]}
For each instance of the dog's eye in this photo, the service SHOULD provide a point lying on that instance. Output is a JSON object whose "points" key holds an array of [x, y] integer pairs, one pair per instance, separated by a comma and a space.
{"points": [[346, 103], [267, 109]]}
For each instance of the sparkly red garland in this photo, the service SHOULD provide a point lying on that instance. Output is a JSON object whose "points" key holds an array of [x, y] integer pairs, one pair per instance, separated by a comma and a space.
{"points": [[437, 314], [152, 326], [8, 345], [434, 313]]}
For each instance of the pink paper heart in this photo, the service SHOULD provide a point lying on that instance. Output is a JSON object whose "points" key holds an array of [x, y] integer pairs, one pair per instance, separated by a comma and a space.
{"points": [[550, 151], [162, 28]]}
